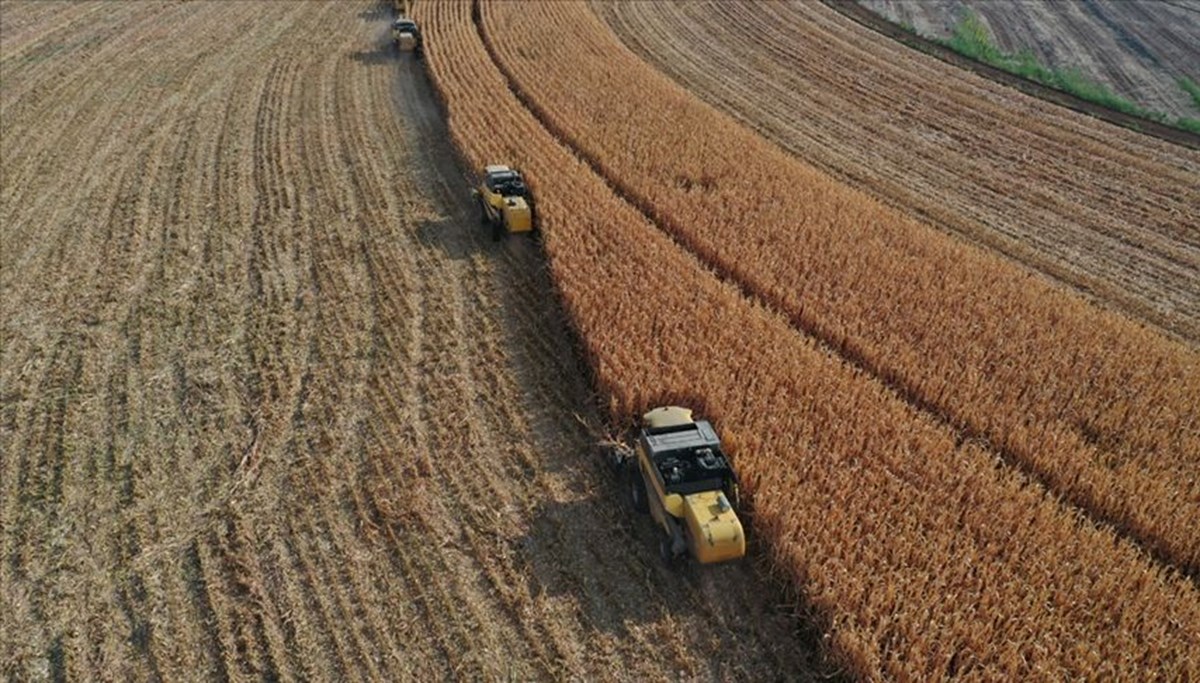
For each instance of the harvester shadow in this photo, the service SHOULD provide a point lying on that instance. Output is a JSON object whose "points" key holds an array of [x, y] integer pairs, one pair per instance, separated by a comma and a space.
{"points": [[452, 236], [383, 54], [572, 551], [385, 51]]}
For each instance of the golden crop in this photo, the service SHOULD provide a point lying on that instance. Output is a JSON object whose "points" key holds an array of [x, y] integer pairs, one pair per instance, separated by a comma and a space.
{"points": [[1105, 412], [921, 554]]}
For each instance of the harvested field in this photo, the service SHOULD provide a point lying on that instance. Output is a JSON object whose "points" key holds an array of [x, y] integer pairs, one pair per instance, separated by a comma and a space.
{"points": [[272, 405], [1098, 208], [1138, 48]]}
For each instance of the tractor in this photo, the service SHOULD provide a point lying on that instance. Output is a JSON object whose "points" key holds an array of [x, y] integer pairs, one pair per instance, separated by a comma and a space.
{"points": [[407, 36], [676, 472], [505, 202]]}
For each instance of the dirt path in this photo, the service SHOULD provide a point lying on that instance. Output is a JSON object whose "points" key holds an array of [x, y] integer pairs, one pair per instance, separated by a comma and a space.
{"points": [[1139, 48], [1097, 208], [273, 405]]}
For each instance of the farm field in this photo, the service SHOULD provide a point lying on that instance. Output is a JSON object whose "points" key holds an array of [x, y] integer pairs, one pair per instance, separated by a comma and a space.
{"points": [[1138, 48], [1051, 384], [1097, 208], [274, 406], [862, 491]]}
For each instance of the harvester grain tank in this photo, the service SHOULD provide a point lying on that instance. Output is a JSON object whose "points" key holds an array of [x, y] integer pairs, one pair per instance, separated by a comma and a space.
{"points": [[407, 35], [505, 202], [678, 474]]}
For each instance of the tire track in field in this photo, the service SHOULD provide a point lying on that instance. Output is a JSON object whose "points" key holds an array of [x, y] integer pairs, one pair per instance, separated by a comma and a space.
{"points": [[315, 404], [367, 633], [365, 155], [457, 379], [316, 529]]}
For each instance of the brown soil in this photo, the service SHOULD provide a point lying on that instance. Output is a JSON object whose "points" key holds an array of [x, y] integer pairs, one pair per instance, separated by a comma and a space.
{"points": [[273, 405]]}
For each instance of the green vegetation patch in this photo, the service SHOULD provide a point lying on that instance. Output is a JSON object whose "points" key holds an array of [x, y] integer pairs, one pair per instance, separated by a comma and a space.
{"points": [[971, 38], [1189, 86], [1188, 124]]}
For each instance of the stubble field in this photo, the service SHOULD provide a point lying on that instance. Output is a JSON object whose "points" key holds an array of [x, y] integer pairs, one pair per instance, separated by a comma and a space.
{"points": [[274, 406]]}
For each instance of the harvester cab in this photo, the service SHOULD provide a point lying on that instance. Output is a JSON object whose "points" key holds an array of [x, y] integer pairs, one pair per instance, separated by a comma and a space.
{"points": [[677, 473], [505, 202], [406, 35]]}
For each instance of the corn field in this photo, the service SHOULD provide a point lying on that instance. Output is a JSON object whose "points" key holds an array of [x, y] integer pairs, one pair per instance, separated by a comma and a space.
{"points": [[275, 406], [1102, 410], [917, 509]]}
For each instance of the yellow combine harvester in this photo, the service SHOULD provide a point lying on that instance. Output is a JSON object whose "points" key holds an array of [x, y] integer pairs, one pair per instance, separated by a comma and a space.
{"points": [[677, 472], [505, 202], [407, 35]]}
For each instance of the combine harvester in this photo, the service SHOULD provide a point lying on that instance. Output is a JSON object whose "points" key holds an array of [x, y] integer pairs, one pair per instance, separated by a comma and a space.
{"points": [[407, 36], [505, 202], [677, 473]]}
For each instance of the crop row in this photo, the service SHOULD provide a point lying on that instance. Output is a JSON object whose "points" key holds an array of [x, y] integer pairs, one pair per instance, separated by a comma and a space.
{"points": [[1096, 208], [922, 557], [1105, 412]]}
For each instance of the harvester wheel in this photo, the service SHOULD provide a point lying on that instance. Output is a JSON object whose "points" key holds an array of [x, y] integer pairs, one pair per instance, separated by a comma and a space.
{"points": [[616, 459], [637, 490], [497, 230], [666, 551], [735, 496]]}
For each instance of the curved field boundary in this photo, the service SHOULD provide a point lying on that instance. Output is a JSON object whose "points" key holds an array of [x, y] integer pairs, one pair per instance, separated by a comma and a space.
{"points": [[1111, 425], [1096, 207], [879, 24], [861, 498]]}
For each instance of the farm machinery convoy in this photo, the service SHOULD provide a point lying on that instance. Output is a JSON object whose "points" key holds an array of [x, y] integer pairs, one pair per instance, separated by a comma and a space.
{"points": [[675, 470], [505, 201]]}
